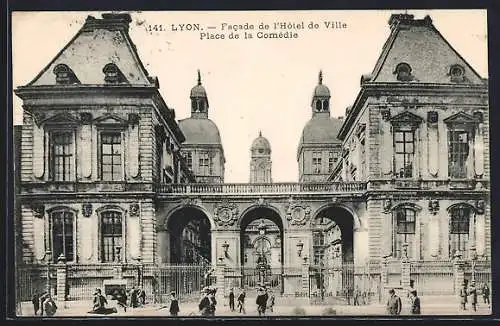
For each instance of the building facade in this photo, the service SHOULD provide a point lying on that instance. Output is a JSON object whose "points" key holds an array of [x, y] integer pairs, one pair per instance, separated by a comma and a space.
{"points": [[108, 176]]}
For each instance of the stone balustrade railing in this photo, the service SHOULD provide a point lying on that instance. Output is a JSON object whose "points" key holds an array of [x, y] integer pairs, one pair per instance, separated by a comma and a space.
{"points": [[256, 188]]}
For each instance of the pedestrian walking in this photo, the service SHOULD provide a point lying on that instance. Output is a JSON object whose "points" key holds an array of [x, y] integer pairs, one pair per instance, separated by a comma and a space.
{"points": [[231, 299], [241, 301], [49, 306], [41, 300], [261, 301], [271, 301], [415, 303], [174, 305], [357, 294], [36, 302], [133, 298], [142, 297], [486, 294], [473, 295], [393, 303], [463, 296], [213, 301], [204, 305]]}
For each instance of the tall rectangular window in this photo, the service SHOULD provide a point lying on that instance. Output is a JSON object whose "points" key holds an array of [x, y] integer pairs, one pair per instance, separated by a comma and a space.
{"points": [[111, 235], [111, 156], [458, 153], [404, 152], [316, 162], [331, 161], [405, 231], [62, 156], [189, 160], [204, 163], [62, 234], [459, 230]]}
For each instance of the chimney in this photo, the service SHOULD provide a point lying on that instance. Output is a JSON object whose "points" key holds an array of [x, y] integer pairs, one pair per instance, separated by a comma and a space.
{"points": [[400, 19], [109, 21]]}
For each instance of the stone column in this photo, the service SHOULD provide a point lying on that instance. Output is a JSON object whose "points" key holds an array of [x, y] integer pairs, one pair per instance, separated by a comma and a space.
{"points": [[61, 279], [458, 272], [384, 269], [220, 275]]}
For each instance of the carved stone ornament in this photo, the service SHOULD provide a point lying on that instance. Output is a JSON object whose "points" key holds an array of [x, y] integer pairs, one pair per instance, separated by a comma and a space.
{"points": [[38, 210], [261, 202], [226, 213], [432, 117], [86, 117], [387, 205], [478, 115], [133, 118], [386, 114], [190, 201], [38, 117], [87, 210], [297, 213], [480, 206], [433, 207], [134, 209]]}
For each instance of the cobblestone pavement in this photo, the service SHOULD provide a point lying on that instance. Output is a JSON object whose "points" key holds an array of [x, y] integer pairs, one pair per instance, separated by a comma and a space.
{"points": [[80, 309]]}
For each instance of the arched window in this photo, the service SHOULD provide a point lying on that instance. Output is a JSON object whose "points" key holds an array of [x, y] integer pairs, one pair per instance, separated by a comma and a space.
{"points": [[111, 235], [62, 234], [403, 72], [318, 105], [325, 105], [459, 229], [404, 220]]}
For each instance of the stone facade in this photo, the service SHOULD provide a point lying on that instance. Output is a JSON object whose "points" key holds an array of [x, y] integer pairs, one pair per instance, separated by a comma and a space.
{"points": [[107, 175]]}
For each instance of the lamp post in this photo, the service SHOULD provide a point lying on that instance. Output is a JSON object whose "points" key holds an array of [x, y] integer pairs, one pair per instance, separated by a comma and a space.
{"points": [[48, 257], [473, 264]]}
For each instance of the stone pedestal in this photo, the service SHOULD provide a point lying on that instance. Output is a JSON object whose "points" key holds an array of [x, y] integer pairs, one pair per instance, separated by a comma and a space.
{"points": [[61, 279], [305, 278], [458, 273], [220, 274], [405, 274]]}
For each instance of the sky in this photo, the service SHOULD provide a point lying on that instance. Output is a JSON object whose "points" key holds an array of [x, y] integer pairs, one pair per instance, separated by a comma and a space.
{"points": [[252, 84]]}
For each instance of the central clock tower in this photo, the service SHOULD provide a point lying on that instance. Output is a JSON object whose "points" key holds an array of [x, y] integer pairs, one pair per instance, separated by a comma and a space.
{"points": [[260, 161]]}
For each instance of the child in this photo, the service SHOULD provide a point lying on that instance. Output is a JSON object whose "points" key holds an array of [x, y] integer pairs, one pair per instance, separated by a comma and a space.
{"points": [[174, 305]]}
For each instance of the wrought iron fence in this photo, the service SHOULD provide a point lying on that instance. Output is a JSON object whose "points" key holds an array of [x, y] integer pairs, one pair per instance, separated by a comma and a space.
{"points": [[35, 279], [186, 281], [432, 277]]}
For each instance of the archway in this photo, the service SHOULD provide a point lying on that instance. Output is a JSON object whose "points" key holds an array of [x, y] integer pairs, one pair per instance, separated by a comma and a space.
{"points": [[190, 237], [333, 252], [262, 248]]}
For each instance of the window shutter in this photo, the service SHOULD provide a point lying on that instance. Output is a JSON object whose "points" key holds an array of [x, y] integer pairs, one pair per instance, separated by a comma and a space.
{"points": [[38, 151]]}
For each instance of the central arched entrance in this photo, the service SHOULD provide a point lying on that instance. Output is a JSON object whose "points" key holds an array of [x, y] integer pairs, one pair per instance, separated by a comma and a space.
{"points": [[190, 237], [333, 253], [262, 249]]}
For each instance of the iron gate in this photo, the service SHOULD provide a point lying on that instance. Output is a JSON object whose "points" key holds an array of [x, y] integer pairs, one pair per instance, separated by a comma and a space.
{"points": [[186, 281], [253, 277]]}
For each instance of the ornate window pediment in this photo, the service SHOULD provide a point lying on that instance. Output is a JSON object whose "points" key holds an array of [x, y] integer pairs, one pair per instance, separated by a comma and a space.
{"points": [[461, 118], [64, 75], [63, 119], [406, 119], [110, 119]]}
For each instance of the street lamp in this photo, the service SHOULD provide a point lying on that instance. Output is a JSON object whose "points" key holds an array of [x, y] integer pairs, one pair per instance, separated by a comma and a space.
{"points": [[225, 247], [300, 246]]}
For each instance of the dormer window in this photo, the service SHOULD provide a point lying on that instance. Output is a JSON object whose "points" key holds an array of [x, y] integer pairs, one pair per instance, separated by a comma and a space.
{"points": [[403, 72], [457, 73], [64, 75], [113, 75]]}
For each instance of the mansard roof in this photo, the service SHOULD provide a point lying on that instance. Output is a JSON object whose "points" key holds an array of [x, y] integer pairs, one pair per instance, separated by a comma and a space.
{"points": [[419, 44], [98, 43]]}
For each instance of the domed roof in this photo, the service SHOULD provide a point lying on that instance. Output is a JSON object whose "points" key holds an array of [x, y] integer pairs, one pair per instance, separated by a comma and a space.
{"points": [[261, 142], [321, 90], [321, 129], [198, 90], [200, 131]]}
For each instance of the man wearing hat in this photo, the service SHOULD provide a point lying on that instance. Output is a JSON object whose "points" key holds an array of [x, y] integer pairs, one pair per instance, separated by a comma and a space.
{"points": [[473, 295], [213, 301], [204, 305], [174, 304], [261, 301]]}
